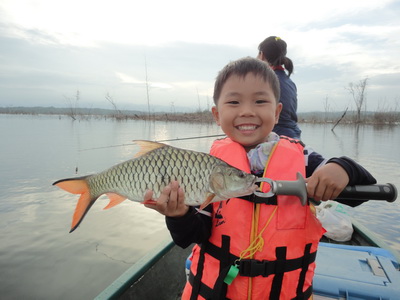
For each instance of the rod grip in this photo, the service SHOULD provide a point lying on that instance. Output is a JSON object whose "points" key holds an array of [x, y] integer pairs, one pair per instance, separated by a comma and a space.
{"points": [[387, 192]]}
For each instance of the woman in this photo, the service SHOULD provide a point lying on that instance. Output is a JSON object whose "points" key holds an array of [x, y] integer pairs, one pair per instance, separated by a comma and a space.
{"points": [[273, 51]]}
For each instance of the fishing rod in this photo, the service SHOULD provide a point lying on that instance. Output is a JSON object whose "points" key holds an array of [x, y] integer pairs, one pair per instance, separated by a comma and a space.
{"points": [[298, 187], [158, 141], [191, 138]]}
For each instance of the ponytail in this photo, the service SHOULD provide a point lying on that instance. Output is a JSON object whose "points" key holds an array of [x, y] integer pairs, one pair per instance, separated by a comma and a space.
{"points": [[274, 50], [287, 62]]}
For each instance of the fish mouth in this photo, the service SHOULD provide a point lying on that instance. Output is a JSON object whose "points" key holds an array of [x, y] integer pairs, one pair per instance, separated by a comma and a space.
{"points": [[254, 185], [254, 179]]}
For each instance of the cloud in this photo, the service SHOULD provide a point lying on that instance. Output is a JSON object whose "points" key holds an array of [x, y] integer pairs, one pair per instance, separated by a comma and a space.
{"points": [[51, 49], [131, 80]]}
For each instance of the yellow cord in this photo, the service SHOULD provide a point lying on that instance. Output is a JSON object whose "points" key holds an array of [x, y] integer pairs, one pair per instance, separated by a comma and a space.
{"points": [[258, 243]]}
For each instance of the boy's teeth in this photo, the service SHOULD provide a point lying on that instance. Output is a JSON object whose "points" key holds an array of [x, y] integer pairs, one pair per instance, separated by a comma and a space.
{"points": [[247, 127]]}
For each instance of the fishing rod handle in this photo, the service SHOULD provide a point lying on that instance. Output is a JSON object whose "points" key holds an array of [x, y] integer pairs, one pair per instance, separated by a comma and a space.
{"points": [[386, 192]]}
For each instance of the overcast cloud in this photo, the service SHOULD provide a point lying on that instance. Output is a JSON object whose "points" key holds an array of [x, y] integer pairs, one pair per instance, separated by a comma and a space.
{"points": [[49, 50]]}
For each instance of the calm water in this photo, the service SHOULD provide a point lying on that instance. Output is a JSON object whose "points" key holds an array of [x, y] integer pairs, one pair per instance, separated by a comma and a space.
{"points": [[39, 259]]}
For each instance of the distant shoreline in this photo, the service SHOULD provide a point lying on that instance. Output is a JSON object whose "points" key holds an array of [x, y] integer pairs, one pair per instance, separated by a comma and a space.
{"points": [[374, 118]]}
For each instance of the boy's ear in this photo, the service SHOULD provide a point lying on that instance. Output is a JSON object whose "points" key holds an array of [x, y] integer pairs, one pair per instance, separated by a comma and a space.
{"points": [[278, 112], [215, 113]]}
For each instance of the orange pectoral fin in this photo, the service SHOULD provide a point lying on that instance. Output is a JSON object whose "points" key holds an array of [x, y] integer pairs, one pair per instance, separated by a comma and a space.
{"points": [[115, 199], [207, 202], [150, 201]]}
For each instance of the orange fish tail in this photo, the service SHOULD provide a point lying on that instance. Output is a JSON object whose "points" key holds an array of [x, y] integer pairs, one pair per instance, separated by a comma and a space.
{"points": [[78, 186]]}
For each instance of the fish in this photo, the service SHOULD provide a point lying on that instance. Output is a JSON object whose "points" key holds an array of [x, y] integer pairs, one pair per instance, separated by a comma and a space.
{"points": [[204, 178]]}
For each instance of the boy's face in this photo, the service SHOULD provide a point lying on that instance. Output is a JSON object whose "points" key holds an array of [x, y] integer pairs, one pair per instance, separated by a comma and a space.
{"points": [[247, 110]]}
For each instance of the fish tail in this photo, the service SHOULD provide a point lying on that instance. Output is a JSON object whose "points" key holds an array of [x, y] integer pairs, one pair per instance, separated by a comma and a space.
{"points": [[78, 186]]}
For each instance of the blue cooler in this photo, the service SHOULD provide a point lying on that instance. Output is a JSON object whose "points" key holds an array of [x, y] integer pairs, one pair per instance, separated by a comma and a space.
{"points": [[355, 273]]}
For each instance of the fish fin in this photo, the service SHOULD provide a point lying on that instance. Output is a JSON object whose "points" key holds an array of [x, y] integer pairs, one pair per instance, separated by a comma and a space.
{"points": [[147, 146], [73, 185], [207, 202], [115, 199], [150, 201], [77, 186]]}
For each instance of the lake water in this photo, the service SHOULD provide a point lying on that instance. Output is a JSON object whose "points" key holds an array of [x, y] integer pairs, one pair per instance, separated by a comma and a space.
{"points": [[39, 259]]}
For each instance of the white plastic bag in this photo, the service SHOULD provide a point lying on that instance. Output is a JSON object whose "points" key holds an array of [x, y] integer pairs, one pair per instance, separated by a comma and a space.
{"points": [[335, 218]]}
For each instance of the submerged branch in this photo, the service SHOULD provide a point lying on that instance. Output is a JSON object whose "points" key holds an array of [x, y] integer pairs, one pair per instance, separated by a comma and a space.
{"points": [[338, 121]]}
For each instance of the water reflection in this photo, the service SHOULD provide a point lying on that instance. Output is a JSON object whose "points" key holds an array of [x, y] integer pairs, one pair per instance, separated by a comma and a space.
{"points": [[375, 148], [35, 217]]}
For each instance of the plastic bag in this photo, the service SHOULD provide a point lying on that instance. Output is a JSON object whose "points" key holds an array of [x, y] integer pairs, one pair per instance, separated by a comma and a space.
{"points": [[336, 220]]}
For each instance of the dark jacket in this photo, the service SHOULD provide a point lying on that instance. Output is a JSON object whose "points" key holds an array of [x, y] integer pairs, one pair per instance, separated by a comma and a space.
{"points": [[287, 124]]}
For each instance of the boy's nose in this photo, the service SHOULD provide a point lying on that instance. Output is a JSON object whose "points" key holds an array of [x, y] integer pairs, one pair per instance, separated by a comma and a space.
{"points": [[247, 110]]}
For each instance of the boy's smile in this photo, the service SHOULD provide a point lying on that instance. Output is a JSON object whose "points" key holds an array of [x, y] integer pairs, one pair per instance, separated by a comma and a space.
{"points": [[247, 109]]}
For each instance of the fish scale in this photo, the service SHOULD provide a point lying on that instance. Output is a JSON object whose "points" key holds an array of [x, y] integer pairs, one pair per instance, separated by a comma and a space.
{"points": [[173, 166], [204, 179]]}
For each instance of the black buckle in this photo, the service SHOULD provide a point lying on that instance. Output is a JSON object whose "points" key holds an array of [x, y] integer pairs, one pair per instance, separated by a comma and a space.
{"points": [[253, 267]]}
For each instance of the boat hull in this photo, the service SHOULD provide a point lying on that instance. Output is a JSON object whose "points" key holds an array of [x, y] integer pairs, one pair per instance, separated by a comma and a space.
{"points": [[364, 268]]}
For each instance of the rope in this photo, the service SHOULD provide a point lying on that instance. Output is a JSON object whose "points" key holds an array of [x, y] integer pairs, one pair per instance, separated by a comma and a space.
{"points": [[258, 243]]}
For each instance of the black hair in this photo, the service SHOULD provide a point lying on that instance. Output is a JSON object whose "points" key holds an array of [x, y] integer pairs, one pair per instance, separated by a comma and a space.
{"points": [[242, 67], [274, 50]]}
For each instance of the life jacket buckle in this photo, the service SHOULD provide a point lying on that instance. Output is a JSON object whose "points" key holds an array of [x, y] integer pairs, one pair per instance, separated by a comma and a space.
{"points": [[253, 267]]}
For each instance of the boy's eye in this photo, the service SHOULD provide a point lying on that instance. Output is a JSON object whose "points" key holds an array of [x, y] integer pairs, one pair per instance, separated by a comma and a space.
{"points": [[261, 101], [233, 102]]}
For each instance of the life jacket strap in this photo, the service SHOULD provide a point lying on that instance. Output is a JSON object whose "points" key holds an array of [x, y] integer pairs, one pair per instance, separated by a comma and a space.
{"points": [[219, 253], [220, 287], [307, 257], [260, 200], [306, 295], [253, 267], [207, 293], [280, 253], [196, 282]]}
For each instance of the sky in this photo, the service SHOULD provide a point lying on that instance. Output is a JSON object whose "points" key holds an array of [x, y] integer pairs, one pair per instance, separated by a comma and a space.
{"points": [[166, 54]]}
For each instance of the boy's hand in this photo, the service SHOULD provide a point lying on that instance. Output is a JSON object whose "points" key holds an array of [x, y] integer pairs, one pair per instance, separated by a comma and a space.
{"points": [[327, 182], [171, 202]]}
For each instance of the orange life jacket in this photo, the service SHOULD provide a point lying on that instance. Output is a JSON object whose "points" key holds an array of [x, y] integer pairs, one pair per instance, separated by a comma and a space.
{"points": [[288, 236]]}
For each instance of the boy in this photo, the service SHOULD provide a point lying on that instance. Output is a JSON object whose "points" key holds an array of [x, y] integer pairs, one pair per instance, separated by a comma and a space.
{"points": [[246, 249]]}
